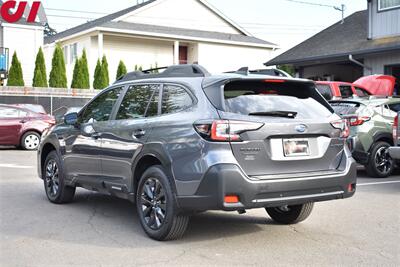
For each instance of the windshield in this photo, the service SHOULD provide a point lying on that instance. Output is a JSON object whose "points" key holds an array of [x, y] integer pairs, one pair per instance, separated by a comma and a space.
{"points": [[287, 99]]}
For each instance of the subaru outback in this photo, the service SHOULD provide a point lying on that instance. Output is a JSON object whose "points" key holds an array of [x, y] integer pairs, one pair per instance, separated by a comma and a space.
{"points": [[184, 141]]}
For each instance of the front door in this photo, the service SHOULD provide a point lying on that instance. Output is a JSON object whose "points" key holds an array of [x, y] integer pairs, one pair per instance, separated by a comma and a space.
{"points": [[183, 55], [11, 121], [124, 136], [83, 147]]}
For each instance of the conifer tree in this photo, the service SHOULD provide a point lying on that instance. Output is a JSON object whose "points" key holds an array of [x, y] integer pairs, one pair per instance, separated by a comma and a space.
{"points": [[105, 74], [40, 75], [84, 68], [15, 76], [121, 69], [97, 76], [58, 74]]}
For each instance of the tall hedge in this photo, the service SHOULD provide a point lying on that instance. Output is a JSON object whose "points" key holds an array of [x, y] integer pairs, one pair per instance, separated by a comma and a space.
{"points": [[77, 75], [104, 67], [97, 79], [58, 74], [40, 75], [121, 69], [15, 76], [85, 71]]}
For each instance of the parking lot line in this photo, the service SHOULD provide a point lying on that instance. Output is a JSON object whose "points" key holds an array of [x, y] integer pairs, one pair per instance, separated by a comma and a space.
{"points": [[15, 166], [377, 183]]}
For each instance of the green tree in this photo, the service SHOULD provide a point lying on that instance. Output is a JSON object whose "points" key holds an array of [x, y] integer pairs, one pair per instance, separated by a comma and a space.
{"points": [[97, 76], [40, 75], [77, 75], [84, 68], [121, 69], [15, 76], [138, 68], [287, 68], [105, 74], [58, 74]]}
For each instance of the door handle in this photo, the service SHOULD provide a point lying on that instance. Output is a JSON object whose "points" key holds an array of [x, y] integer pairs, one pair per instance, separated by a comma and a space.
{"points": [[22, 121], [96, 135], [139, 133]]}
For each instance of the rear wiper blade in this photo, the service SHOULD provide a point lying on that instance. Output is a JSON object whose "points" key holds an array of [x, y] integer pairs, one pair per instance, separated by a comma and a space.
{"points": [[289, 114]]}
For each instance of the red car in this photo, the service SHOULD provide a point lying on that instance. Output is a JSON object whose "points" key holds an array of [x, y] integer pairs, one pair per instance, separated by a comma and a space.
{"points": [[22, 127], [340, 90], [384, 85]]}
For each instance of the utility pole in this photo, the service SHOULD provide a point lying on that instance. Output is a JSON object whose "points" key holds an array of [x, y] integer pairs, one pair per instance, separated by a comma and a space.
{"points": [[342, 8]]}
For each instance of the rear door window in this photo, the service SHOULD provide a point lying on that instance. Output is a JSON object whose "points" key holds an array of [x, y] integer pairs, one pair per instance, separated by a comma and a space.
{"points": [[325, 91], [8, 113], [174, 99], [139, 101], [345, 91], [249, 98]]}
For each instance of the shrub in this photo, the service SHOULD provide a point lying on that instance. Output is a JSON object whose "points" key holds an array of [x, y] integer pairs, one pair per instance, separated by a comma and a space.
{"points": [[15, 76], [121, 69], [97, 76], [105, 75], [40, 75], [77, 75], [58, 75], [84, 69]]}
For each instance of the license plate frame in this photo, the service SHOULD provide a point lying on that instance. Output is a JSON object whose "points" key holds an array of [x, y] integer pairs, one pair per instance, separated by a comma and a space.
{"points": [[296, 147]]}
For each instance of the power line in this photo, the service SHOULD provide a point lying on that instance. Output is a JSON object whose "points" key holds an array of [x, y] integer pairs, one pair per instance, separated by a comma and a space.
{"points": [[309, 3], [75, 11]]}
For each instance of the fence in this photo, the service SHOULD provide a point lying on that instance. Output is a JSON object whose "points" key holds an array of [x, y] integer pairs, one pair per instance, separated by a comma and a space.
{"points": [[56, 101]]}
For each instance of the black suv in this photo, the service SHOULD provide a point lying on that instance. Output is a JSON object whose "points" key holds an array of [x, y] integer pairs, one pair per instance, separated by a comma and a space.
{"points": [[185, 141]]}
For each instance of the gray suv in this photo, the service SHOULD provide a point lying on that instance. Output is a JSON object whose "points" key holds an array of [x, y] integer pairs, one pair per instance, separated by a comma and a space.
{"points": [[184, 141]]}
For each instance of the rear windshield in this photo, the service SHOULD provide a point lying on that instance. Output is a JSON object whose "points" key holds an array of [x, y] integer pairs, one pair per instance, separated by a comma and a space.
{"points": [[248, 97], [345, 108]]}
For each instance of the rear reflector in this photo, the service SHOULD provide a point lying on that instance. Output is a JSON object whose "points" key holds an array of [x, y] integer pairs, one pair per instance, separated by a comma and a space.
{"points": [[231, 199], [351, 187]]}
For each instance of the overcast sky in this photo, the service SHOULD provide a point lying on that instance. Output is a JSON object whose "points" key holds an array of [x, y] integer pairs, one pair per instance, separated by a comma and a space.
{"points": [[284, 22]]}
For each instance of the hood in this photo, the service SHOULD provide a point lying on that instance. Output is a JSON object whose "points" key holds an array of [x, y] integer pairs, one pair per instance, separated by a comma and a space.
{"points": [[377, 84]]}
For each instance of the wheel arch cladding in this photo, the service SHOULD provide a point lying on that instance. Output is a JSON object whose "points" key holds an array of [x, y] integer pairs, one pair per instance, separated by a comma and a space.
{"points": [[47, 148], [386, 137], [145, 162]]}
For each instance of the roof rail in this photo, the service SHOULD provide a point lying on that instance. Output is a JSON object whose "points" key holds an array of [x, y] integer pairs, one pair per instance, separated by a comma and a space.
{"points": [[187, 70]]}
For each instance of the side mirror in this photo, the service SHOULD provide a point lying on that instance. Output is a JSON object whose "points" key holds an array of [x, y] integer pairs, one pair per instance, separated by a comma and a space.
{"points": [[71, 118]]}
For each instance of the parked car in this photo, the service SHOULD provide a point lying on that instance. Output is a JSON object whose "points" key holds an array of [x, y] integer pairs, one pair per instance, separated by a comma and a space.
{"points": [[32, 107], [340, 90], [22, 127], [384, 85], [269, 71], [394, 151], [371, 123], [184, 141]]}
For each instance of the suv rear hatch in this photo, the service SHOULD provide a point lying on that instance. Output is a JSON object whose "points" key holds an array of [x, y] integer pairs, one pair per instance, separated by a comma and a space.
{"points": [[292, 129]]}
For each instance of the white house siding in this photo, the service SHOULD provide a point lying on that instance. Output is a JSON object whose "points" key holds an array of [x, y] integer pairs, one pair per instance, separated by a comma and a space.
{"points": [[378, 62], [189, 14], [220, 58], [26, 41], [384, 23], [138, 51]]}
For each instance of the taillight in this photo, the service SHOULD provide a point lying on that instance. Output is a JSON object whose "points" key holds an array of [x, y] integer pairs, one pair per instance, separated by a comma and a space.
{"points": [[357, 121], [225, 130], [343, 126], [394, 129]]}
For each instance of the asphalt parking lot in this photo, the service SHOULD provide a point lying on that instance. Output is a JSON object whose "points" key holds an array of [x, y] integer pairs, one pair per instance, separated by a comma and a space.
{"points": [[99, 230]]}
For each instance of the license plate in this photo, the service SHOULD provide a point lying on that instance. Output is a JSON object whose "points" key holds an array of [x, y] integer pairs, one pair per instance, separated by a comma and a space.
{"points": [[295, 147]]}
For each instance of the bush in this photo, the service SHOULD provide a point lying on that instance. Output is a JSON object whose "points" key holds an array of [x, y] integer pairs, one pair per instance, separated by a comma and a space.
{"points": [[121, 69], [97, 76], [104, 68], [40, 75], [77, 75], [58, 75], [84, 68], [15, 76]]}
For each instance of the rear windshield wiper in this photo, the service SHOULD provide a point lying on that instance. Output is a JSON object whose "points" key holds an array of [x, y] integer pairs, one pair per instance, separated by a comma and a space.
{"points": [[288, 114]]}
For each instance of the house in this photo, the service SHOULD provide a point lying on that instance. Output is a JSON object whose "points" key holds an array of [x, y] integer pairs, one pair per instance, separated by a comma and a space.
{"points": [[162, 32], [368, 42], [15, 37]]}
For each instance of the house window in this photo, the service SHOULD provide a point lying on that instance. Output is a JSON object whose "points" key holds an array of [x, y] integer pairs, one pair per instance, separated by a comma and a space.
{"points": [[73, 52], [65, 51], [388, 4]]}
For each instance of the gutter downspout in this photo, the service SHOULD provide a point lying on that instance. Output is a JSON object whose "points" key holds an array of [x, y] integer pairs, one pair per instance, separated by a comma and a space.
{"points": [[360, 64]]}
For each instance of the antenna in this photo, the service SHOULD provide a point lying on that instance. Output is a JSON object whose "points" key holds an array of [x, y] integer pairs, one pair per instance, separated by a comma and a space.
{"points": [[342, 8]]}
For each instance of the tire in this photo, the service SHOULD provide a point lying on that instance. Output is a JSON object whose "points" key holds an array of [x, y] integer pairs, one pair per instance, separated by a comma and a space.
{"points": [[54, 182], [156, 206], [380, 164], [290, 214], [30, 140]]}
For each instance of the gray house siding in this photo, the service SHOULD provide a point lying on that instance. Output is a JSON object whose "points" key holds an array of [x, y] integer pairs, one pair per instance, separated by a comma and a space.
{"points": [[377, 63], [383, 23]]}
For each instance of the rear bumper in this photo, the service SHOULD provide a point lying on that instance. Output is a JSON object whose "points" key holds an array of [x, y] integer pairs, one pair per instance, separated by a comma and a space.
{"points": [[228, 179], [394, 152], [357, 150]]}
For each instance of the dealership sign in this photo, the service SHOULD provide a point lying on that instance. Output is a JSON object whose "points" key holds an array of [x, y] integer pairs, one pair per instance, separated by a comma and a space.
{"points": [[11, 16]]}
